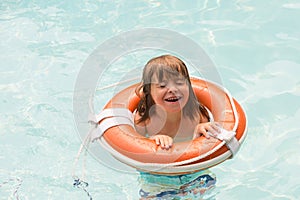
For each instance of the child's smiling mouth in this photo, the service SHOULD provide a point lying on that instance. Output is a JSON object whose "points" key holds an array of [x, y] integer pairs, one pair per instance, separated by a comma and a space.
{"points": [[172, 99]]}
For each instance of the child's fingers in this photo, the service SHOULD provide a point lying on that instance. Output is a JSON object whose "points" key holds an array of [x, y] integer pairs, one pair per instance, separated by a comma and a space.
{"points": [[166, 142], [157, 141], [201, 130], [207, 129]]}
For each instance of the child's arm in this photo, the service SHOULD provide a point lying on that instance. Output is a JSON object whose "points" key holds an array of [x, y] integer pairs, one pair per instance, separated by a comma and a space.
{"points": [[164, 141]]}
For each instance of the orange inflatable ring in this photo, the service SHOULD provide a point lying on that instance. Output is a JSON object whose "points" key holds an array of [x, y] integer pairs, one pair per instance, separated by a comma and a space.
{"points": [[129, 147]]}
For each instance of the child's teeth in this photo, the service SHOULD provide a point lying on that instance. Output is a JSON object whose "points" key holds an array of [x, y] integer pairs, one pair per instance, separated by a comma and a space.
{"points": [[172, 99]]}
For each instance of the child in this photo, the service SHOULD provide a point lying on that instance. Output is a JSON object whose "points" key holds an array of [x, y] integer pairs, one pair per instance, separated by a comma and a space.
{"points": [[170, 112]]}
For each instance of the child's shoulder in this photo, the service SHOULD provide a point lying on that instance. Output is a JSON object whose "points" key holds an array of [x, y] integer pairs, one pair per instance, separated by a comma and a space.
{"points": [[137, 118], [140, 126]]}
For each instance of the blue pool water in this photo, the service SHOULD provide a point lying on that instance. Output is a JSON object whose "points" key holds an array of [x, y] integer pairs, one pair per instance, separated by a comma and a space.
{"points": [[254, 46]]}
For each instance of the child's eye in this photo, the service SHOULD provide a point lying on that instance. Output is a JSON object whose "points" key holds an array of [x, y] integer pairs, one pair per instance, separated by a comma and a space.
{"points": [[180, 82], [162, 85]]}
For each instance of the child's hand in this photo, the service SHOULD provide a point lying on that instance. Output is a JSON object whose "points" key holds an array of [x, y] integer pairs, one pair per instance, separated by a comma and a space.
{"points": [[206, 129], [164, 141]]}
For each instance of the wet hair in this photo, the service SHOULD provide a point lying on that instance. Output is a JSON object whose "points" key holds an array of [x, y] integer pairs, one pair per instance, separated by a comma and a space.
{"points": [[167, 66]]}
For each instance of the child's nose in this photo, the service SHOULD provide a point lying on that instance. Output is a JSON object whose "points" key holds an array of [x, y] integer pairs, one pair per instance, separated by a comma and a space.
{"points": [[172, 87]]}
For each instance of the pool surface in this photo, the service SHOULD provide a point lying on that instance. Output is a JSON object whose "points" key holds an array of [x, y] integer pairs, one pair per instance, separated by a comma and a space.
{"points": [[254, 46]]}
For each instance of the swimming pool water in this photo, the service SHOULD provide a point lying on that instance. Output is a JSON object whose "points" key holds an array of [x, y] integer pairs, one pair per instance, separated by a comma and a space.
{"points": [[253, 44]]}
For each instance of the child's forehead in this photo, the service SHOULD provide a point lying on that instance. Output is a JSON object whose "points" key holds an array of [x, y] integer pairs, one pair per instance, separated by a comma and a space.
{"points": [[166, 77]]}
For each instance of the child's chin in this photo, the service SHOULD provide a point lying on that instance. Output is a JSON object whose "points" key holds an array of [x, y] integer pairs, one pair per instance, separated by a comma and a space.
{"points": [[173, 110]]}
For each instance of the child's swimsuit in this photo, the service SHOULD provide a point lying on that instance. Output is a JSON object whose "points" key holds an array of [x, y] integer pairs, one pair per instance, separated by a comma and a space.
{"points": [[161, 187]]}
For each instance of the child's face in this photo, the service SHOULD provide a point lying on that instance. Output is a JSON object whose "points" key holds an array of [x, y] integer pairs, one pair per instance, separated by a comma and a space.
{"points": [[170, 93]]}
